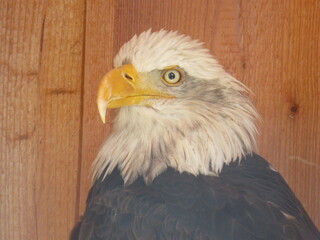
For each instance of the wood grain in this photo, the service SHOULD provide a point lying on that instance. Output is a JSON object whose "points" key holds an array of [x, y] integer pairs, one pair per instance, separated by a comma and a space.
{"points": [[41, 61]]}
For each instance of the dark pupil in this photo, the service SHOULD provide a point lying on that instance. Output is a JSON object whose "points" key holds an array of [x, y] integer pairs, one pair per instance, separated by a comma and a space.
{"points": [[171, 75]]}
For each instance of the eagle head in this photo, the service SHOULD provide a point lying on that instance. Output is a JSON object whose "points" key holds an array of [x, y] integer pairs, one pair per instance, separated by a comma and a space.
{"points": [[178, 108]]}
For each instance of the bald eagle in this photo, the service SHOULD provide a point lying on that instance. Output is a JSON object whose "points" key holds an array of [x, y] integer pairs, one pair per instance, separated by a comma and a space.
{"points": [[180, 162]]}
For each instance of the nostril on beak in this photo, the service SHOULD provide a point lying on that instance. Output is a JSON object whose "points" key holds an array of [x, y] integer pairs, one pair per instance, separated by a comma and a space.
{"points": [[127, 76]]}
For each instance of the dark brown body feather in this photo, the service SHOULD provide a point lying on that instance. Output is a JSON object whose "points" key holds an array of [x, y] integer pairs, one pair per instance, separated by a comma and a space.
{"points": [[247, 201]]}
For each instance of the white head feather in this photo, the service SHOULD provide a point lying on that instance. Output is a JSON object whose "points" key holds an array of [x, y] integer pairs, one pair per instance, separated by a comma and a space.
{"points": [[157, 50], [210, 123]]}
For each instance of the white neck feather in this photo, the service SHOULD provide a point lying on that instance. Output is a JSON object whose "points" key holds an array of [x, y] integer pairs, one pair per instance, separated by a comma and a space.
{"points": [[191, 137]]}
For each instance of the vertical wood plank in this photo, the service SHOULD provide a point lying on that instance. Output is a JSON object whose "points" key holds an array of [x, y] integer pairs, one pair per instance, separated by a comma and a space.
{"points": [[281, 52], [60, 109], [41, 66], [20, 58]]}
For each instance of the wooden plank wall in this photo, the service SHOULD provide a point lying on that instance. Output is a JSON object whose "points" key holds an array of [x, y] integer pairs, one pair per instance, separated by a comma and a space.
{"points": [[41, 57], [53, 53]]}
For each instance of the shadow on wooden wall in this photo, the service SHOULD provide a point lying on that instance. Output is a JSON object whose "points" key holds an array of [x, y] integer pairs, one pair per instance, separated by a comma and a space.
{"points": [[53, 53]]}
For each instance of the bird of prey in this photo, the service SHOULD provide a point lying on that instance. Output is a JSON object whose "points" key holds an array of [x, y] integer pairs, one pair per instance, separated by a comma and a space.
{"points": [[180, 162]]}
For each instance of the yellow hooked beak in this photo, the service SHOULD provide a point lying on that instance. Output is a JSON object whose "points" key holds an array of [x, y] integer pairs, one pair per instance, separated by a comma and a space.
{"points": [[122, 87]]}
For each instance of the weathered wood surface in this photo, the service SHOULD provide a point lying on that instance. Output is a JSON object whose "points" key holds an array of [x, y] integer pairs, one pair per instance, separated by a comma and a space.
{"points": [[41, 57], [53, 53]]}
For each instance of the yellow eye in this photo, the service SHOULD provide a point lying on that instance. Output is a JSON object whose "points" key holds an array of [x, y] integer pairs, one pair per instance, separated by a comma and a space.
{"points": [[172, 77]]}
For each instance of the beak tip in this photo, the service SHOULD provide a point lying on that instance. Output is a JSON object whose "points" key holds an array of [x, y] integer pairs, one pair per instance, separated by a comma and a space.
{"points": [[103, 119], [102, 107]]}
